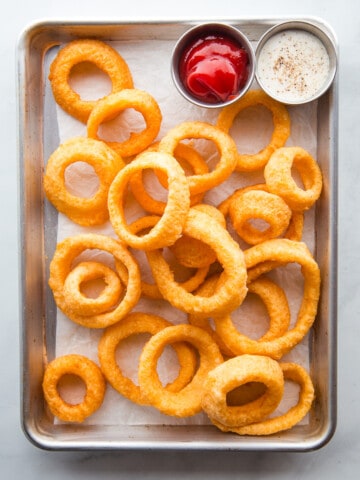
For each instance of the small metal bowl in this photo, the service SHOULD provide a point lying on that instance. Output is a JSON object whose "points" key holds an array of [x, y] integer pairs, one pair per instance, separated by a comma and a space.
{"points": [[291, 88], [201, 30]]}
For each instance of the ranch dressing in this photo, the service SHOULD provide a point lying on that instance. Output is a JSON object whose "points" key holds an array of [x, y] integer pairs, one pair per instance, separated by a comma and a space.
{"points": [[293, 66]]}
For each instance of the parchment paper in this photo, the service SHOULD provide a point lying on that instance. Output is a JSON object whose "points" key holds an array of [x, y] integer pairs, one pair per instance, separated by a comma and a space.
{"points": [[149, 62]]}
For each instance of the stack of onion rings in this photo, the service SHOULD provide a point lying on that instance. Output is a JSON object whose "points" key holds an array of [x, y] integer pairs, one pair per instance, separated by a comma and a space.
{"points": [[196, 234], [133, 324], [61, 266]]}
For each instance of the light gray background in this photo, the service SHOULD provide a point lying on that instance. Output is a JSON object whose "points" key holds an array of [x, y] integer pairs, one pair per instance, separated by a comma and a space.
{"points": [[340, 459]]}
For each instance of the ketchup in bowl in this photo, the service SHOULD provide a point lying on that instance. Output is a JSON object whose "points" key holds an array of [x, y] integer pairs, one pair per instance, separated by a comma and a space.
{"points": [[213, 64], [214, 68]]}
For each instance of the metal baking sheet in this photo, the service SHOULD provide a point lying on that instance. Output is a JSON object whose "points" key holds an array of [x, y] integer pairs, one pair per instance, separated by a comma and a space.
{"points": [[38, 137]]}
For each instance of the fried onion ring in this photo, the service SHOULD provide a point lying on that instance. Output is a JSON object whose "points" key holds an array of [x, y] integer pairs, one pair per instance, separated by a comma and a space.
{"points": [[134, 324], [296, 224], [281, 252], [278, 177], [292, 372], [78, 51], [259, 205], [111, 106], [93, 378], [239, 371], [106, 163], [226, 334], [187, 401], [201, 130], [85, 272], [281, 131], [228, 295], [62, 263], [169, 227]]}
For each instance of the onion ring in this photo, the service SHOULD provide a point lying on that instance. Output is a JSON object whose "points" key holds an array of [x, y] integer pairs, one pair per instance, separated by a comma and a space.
{"points": [[76, 52], [187, 401], [281, 131], [283, 251], [239, 371], [170, 225], [201, 130], [137, 323], [106, 163], [230, 294], [296, 224], [89, 372], [61, 265], [259, 205], [292, 372], [84, 272], [184, 154], [226, 334], [279, 179], [112, 105]]}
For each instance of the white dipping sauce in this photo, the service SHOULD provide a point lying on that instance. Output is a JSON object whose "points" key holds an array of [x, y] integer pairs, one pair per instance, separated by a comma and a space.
{"points": [[293, 66]]}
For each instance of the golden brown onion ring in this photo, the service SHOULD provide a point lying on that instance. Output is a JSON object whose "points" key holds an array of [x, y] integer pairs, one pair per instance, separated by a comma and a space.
{"points": [[296, 224], [106, 164], [85, 50], [169, 227], [202, 130], [281, 131], [292, 372], [93, 378], [239, 371], [281, 252], [278, 177], [62, 263], [84, 272], [112, 105], [187, 401], [134, 324]]}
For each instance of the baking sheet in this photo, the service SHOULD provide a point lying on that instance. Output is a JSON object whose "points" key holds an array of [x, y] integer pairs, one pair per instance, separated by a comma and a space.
{"points": [[65, 337]]}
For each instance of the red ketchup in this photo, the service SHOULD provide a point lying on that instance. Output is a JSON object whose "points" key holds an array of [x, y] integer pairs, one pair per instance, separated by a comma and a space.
{"points": [[214, 68]]}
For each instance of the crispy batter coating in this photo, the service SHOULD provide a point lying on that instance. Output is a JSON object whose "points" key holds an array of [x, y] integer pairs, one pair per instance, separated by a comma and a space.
{"points": [[169, 227], [86, 50], [278, 177], [239, 371], [269, 426], [112, 105], [106, 163], [93, 378], [61, 265]]}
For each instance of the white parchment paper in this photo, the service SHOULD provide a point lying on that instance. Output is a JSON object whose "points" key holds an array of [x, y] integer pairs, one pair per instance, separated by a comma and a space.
{"points": [[149, 62]]}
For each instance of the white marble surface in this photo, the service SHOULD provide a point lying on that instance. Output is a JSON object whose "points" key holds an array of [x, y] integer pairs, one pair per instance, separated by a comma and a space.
{"points": [[340, 458]]}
